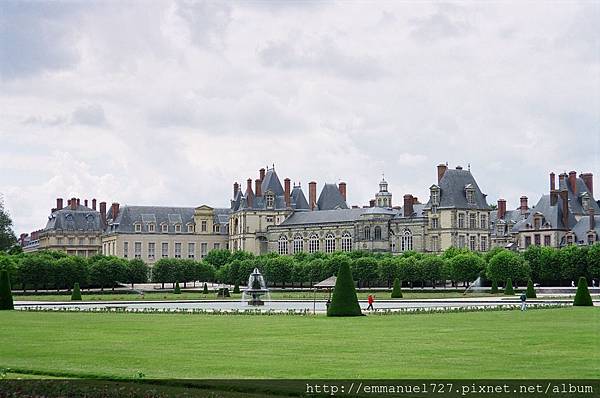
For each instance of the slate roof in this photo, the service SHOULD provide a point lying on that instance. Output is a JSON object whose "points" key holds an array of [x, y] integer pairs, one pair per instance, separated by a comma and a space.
{"points": [[452, 191], [271, 182], [323, 217], [299, 201], [575, 199], [82, 218], [128, 216], [331, 198], [552, 215], [418, 211], [582, 228]]}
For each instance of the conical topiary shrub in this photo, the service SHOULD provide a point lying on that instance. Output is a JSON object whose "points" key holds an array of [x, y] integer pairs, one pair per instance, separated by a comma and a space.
{"points": [[177, 289], [397, 291], [6, 300], [205, 289], [76, 294], [582, 297], [344, 301], [236, 288], [530, 290], [494, 287], [508, 289]]}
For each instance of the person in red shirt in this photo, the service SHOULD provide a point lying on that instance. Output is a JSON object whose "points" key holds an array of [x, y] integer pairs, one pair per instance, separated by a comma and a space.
{"points": [[370, 300]]}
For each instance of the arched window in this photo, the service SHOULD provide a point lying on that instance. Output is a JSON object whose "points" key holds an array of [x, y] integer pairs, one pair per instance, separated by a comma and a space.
{"points": [[367, 233], [407, 241], [313, 243], [329, 243], [283, 245], [298, 244], [377, 233], [346, 242]]}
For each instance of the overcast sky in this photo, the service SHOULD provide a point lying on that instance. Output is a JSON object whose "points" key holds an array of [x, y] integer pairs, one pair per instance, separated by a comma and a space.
{"points": [[169, 103]]}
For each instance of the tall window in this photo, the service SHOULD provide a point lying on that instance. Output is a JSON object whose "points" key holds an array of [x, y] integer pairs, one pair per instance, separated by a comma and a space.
{"points": [[203, 249], [483, 244], [125, 249], [473, 221], [150, 227], [138, 227], [367, 233], [537, 239], [435, 223], [470, 196], [346, 242], [435, 197], [298, 244], [216, 246], [203, 226], [270, 200], [407, 241], [283, 245], [483, 221], [377, 233], [329, 243], [137, 250], [177, 228], [461, 220], [313, 243], [547, 240], [177, 250], [165, 250], [527, 241], [473, 242], [164, 228], [191, 250], [461, 241], [435, 244], [151, 250]]}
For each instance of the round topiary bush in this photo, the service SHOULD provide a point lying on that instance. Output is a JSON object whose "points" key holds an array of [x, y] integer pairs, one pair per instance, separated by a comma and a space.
{"points": [[6, 300], [582, 297], [205, 289], [344, 301], [397, 291], [177, 289], [76, 294], [494, 287], [508, 289], [236, 288], [530, 290]]}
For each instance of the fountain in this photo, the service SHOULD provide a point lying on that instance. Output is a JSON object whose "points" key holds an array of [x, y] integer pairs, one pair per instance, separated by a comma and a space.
{"points": [[255, 289]]}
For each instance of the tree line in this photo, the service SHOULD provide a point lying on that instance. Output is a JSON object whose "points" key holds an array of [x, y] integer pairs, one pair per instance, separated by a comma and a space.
{"points": [[547, 266]]}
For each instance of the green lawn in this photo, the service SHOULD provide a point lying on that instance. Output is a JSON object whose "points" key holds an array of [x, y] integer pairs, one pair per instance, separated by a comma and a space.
{"points": [[548, 343], [212, 296]]}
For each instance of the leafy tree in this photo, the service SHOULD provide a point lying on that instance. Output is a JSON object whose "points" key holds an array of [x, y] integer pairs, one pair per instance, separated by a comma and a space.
{"points": [[188, 271], [494, 287], [488, 255], [582, 297], [532, 256], [76, 294], [8, 264], [508, 288], [574, 262], [7, 235], [594, 261], [432, 268], [6, 300], [397, 291], [164, 271], [507, 264], [279, 269], [236, 288], [466, 267], [219, 257], [407, 269], [388, 270], [344, 301], [550, 266], [137, 272], [530, 290], [364, 270]]}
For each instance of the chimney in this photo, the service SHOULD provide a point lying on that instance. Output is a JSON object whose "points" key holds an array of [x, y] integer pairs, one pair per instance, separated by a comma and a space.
{"points": [[592, 219], [59, 203], [588, 180], [103, 212], [553, 197], [408, 205], [249, 193], [441, 169], [78, 202], [524, 207], [372, 203], [115, 210], [312, 195], [93, 204], [564, 195], [261, 174], [501, 208], [552, 182], [342, 188], [415, 200], [73, 204], [258, 187], [573, 181], [85, 202], [236, 188], [286, 192]]}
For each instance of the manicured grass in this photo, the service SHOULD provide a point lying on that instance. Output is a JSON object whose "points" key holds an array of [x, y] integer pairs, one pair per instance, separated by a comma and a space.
{"points": [[547, 343], [408, 294]]}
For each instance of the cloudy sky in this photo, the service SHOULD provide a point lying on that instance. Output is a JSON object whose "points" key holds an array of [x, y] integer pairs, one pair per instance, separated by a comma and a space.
{"points": [[170, 102]]}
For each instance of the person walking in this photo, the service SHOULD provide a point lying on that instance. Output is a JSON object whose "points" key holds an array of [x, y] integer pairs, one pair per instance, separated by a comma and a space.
{"points": [[523, 302], [370, 300]]}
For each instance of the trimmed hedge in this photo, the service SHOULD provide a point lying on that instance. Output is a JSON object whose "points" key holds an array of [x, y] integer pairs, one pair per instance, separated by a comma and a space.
{"points": [[76, 295], [494, 287], [205, 289], [6, 300], [582, 297], [508, 289], [530, 290], [177, 288], [236, 288], [344, 301], [397, 291]]}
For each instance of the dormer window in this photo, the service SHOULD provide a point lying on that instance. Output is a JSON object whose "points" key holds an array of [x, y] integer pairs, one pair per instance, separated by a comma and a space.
{"points": [[270, 200], [151, 227], [435, 196], [585, 201], [470, 193], [216, 228], [138, 227], [190, 228], [164, 228], [177, 227]]}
